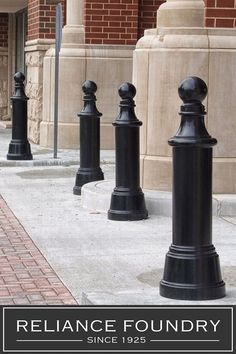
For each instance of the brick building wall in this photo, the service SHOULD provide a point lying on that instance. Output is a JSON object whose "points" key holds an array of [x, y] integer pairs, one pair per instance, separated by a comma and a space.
{"points": [[111, 21], [124, 21], [119, 21], [220, 13], [41, 18], [114, 21], [3, 30], [147, 14]]}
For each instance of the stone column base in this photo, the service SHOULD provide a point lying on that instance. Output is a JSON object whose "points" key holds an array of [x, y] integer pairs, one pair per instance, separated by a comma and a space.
{"points": [[65, 130], [108, 66], [157, 174], [68, 135], [162, 59]]}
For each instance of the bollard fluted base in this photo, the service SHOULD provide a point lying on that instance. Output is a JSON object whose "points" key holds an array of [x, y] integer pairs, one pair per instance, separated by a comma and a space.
{"points": [[190, 292], [86, 175], [192, 273], [127, 205], [19, 150], [77, 190]]}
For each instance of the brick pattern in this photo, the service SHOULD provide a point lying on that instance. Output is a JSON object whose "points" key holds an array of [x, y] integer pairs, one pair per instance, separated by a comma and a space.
{"points": [[3, 30], [41, 18], [220, 13], [147, 14], [111, 21], [26, 278], [115, 21]]}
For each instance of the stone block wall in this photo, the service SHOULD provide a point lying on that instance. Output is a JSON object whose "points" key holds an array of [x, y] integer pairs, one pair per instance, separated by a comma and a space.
{"points": [[41, 34], [34, 90], [3, 83], [3, 64]]}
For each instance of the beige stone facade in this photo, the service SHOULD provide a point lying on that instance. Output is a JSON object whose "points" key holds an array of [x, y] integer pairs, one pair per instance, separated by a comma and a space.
{"points": [[162, 59], [108, 66], [3, 83], [35, 52]]}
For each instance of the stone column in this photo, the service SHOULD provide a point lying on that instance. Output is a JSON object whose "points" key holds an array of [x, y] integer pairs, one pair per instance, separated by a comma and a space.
{"points": [[73, 32], [180, 47], [72, 75], [181, 13]]}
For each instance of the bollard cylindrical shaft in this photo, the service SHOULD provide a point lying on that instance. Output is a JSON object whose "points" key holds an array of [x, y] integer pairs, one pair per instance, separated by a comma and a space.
{"points": [[127, 200], [89, 170], [19, 147], [192, 268]]}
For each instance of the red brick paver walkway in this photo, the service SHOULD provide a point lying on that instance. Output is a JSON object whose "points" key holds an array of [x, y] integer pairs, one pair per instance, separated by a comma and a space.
{"points": [[26, 278]]}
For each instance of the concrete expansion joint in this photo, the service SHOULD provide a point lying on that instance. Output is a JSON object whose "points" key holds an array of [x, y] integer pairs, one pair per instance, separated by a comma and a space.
{"points": [[46, 162], [218, 207]]}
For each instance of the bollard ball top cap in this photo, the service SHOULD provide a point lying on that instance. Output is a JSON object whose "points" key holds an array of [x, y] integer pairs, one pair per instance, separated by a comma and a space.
{"points": [[127, 91], [89, 87], [19, 77], [192, 89]]}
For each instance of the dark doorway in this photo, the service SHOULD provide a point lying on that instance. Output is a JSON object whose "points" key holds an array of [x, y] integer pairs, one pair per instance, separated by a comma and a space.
{"points": [[21, 31]]}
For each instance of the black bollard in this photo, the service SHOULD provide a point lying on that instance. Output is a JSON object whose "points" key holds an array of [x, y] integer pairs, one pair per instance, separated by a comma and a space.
{"points": [[89, 170], [19, 147], [127, 200], [192, 268]]}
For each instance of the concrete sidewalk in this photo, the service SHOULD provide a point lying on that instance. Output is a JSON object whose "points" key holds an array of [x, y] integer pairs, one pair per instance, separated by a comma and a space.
{"points": [[101, 261], [44, 156], [26, 278]]}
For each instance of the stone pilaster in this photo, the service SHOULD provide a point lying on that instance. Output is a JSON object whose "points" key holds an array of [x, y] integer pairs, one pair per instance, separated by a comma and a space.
{"points": [[3, 83], [73, 31], [35, 52]]}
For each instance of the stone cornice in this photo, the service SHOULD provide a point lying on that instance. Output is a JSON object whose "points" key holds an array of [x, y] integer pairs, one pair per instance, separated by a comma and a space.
{"points": [[39, 44]]}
